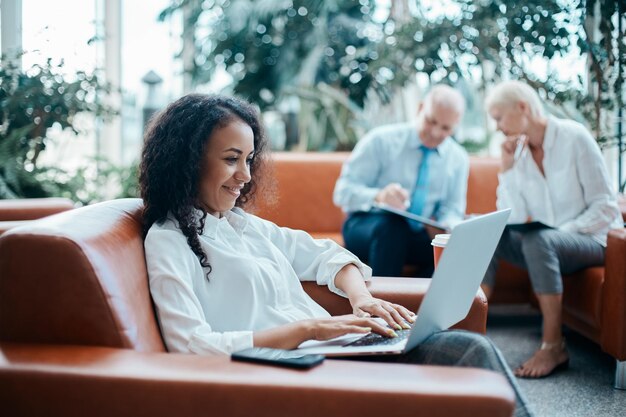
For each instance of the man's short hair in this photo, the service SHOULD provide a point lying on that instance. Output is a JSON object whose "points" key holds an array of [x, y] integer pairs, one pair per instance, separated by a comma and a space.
{"points": [[508, 93], [447, 97]]}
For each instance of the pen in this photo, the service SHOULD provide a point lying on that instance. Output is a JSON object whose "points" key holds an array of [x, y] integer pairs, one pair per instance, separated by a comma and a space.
{"points": [[519, 148]]}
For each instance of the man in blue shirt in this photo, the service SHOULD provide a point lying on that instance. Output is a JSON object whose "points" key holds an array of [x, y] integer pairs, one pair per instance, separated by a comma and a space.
{"points": [[410, 166]]}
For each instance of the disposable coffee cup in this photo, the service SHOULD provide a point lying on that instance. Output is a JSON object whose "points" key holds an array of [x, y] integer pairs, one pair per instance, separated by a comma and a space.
{"points": [[439, 243]]}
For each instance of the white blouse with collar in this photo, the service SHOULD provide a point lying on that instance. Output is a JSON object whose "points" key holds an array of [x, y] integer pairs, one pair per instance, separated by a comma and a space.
{"points": [[254, 282], [574, 195]]}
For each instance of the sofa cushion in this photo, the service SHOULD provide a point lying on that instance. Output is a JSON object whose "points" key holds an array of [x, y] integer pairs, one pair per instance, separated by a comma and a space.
{"points": [[78, 277], [512, 285], [481, 184], [582, 301]]}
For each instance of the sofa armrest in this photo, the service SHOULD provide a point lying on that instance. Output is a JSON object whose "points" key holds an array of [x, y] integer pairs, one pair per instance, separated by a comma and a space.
{"points": [[613, 337], [11, 224], [408, 292], [93, 381], [33, 208]]}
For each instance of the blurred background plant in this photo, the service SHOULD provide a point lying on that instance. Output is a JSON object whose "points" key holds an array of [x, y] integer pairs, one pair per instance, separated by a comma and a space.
{"points": [[322, 72], [31, 103], [319, 51]]}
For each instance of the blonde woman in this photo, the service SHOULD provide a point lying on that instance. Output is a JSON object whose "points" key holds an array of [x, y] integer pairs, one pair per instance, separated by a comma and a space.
{"points": [[553, 172]]}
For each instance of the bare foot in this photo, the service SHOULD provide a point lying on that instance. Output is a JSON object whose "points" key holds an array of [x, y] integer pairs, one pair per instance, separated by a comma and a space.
{"points": [[550, 357]]}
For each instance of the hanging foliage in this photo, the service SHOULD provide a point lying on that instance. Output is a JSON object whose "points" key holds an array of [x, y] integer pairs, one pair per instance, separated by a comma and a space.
{"points": [[271, 47]]}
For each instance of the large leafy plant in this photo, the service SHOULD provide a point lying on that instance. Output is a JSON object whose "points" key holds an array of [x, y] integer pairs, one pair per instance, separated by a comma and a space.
{"points": [[31, 102], [274, 48]]}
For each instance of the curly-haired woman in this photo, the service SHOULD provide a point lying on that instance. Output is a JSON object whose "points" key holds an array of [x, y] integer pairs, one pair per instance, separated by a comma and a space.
{"points": [[224, 280]]}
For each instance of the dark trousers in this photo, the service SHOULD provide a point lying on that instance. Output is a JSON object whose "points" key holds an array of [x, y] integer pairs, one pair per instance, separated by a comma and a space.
{"points": [[386, 243], [459, 348]]}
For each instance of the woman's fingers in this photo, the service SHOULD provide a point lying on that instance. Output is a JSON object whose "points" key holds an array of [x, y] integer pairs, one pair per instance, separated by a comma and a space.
{"points": [[374, 326], [389, 314], [397, 317], [339, 326], [509, 144], [393, 317], [406, 314]]}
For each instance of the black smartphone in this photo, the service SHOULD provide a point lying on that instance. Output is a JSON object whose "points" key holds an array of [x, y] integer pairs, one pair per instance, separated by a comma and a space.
{"points": [[278, 357]]}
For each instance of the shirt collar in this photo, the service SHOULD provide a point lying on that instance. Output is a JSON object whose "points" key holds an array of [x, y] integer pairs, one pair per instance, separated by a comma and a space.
{"points": [[235, 217], [550, 135]]}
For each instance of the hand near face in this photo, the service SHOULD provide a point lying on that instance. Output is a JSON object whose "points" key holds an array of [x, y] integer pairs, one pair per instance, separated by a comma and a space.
{"points": [[393, 195], [508, 152]]}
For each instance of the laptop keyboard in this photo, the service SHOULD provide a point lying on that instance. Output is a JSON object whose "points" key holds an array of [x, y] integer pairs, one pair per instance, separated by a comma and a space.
{"points": [[374, 339]]}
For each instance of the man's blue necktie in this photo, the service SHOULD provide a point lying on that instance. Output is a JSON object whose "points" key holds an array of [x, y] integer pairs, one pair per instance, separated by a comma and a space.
{"points": [[421, 187]]}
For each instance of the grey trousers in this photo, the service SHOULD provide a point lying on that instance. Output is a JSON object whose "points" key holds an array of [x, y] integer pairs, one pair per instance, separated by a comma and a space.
{"points": [[461, 348], [546, 254]]}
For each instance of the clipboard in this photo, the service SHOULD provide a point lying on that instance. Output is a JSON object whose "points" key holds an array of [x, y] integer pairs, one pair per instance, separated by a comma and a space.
{"points": [[411, 216], [527, 227]]}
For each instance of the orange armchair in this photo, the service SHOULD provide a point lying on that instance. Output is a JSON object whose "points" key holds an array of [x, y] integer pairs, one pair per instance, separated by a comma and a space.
{"points": [[78, 336]]}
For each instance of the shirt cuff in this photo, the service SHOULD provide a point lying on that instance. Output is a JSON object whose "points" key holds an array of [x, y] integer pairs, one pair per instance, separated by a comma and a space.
{"points": [[368, 196], [205, 341]]}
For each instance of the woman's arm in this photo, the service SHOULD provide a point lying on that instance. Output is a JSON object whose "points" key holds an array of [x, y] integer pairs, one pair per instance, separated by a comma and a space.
{"points": [[350, 280], [290, 336], [601, 209]]}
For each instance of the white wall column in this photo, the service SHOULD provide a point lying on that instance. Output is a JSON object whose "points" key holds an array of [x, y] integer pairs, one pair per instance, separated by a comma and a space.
{"points": [[11, 24], [188, 48], [111, 140]]}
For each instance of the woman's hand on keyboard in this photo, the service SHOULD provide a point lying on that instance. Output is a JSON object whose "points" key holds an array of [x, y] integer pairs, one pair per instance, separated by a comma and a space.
{"points": [[395, 315], [325, 329]]}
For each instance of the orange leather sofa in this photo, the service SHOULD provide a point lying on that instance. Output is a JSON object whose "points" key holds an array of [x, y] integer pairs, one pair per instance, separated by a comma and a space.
{"points": [[594, 301], [79, 337], [15, 212]]}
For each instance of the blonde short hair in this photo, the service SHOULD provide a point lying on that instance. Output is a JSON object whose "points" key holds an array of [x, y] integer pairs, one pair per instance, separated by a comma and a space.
{"points": [[508, 93], [447, 97]]}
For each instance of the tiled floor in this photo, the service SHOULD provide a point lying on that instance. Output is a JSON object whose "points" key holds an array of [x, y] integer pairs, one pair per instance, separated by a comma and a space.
{"points": [[584, 389]]}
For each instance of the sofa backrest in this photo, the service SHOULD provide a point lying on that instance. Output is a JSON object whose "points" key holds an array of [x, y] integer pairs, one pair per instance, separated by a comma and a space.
{"points": [[481, 184], [305, 184], [78, 277], [304, 191], [33, 208]]}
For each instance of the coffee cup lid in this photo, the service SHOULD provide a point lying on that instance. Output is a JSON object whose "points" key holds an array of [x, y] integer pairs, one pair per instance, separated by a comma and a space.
{"points": [[441, 239]]}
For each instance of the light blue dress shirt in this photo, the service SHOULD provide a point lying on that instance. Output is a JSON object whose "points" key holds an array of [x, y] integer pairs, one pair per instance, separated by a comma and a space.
{"points": [[391, 154]]}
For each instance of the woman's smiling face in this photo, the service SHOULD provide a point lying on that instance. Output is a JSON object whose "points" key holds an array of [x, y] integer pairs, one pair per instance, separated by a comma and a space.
{"points": [[226, 167]]}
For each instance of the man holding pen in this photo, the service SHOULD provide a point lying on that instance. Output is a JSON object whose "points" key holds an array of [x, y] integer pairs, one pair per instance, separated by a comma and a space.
{"points": [[413, 166]]}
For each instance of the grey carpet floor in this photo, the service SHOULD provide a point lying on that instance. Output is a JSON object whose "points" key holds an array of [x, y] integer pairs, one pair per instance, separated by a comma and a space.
{"points": [[584, 389]]}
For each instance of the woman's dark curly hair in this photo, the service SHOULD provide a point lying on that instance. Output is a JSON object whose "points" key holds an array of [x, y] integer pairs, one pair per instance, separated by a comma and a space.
{"points": [[174, 147]]}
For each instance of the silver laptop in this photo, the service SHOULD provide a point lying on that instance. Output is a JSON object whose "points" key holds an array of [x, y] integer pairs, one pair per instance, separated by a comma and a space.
{"points": [[453, 287]]}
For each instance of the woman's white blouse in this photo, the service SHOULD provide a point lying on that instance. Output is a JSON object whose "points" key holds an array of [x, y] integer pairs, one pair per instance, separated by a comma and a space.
{"points": [[254, 283], [574, 196]]}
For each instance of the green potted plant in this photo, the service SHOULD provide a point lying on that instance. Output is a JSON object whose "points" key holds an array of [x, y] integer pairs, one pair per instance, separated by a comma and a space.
{"points": [[31, 102]]}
